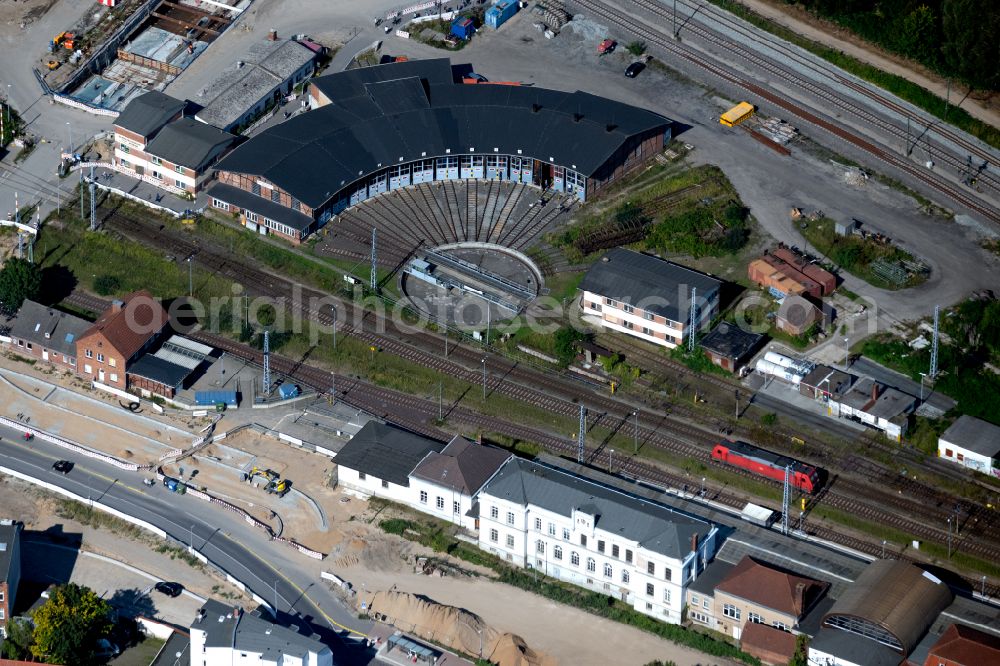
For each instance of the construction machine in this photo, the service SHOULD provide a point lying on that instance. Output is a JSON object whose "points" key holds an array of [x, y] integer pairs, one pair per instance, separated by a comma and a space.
{"points": [[279, 487], [269, 474]]}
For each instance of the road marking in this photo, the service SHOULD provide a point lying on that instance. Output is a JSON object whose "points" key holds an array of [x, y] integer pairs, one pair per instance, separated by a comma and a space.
{"points": [[298, 589]]}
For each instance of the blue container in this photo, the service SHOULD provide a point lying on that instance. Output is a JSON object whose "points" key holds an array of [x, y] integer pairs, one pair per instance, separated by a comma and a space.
{"points": [[212, 398], [498, 14], [463, 27], [287, 391]]}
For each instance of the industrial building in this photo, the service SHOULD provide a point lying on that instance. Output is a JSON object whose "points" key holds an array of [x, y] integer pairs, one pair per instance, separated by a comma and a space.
{"points": [[786, 272], [972, 442], [380, 128], [646, 297], [241, 93], [796, 315]]}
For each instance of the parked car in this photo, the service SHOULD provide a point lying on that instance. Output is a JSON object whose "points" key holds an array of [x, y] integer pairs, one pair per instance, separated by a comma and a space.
{"points": [[169, 589], [633, 70], [62, 466]]}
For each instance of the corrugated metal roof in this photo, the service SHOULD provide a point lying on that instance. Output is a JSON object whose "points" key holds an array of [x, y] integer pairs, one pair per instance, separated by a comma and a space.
{"points": [[897, 596]]}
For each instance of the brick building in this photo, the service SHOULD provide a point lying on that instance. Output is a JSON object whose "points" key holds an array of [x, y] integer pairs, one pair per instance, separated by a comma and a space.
{"points": [[46, 334], [964, 646], [107, 349], [376, 129]]}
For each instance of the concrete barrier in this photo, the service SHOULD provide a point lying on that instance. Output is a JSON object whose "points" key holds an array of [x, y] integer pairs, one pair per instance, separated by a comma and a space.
{"points": [[72, 446], [154, 628], [89, 502]]}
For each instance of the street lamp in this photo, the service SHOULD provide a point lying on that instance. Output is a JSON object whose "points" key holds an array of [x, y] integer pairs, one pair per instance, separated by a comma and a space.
{"points": [[190, 279], [883, 549], [847, 352], [611, 460], [192, 537], [922, 375], [69, 132], [484, 378], [949, 537], [703, 486]]}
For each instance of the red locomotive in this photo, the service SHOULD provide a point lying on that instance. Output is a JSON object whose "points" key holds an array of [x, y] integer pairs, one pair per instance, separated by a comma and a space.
{"points": [[765, 463]]}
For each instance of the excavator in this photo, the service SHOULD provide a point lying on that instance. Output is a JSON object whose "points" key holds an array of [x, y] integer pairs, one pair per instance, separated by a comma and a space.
{"points": [[279, 487]]}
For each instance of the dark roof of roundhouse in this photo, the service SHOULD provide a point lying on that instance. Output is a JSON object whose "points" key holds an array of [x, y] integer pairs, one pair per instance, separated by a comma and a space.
{"points": [[377, 119]]}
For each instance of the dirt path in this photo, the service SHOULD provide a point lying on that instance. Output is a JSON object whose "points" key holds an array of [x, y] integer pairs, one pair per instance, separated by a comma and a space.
{"points": [[542, 623], [828, 34]]}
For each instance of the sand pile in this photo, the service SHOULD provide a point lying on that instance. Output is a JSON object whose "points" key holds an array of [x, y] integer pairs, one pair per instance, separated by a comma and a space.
{"points": [[454, 627]]}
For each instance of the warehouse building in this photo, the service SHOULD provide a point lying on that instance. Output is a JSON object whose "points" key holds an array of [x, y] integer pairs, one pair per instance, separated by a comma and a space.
{"points": [[376, 129], [647, 297], [728, 346], [972, 442]]}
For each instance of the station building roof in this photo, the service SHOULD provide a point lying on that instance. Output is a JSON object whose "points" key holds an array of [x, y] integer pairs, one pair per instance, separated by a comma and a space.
{"points": [[402, 112], [892, 602]]}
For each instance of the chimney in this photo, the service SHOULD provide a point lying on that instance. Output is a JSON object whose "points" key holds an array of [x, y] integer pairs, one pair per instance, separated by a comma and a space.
{"points": [[535, 108], [800, 601], [116, 305], [272, 35], [694, 542], [479, 439], [577, 117], [610, 127], [875, 391]]}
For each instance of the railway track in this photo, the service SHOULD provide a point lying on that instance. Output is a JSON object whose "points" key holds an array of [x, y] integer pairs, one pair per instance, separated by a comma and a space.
{"points": [[785, 54], [417, 414], [555, 394], [658, 39]]}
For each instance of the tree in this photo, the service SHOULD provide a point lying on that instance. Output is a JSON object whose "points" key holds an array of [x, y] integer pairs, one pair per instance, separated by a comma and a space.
{"points": [[68, 625], [17, 645], [636, 48], [801, 656], [19, 279], [107, 285], [918, 36], [971, 46]]}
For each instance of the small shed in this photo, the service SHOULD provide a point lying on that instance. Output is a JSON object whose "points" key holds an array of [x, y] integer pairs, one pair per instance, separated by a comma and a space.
{"points": [[728, 345], [498, 14], [463, 27]]}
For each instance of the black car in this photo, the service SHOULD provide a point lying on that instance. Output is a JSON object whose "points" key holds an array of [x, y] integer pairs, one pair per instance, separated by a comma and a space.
{"points": [[632, 70], [169, 589], [62, 466]]}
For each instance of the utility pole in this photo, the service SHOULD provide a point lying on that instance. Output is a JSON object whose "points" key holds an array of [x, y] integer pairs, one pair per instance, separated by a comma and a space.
{"points": [[333, 387], [694, 319], [267, 363], [80, 171], [440, 403], [786, 497], [949, 537], [737, 403], [93, 201], [581, 435], [635, 431], [934, 343], [374, 273]]}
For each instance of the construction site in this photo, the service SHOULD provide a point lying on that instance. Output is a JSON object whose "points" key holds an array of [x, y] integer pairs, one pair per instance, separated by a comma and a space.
{"points": [[119, 52]]}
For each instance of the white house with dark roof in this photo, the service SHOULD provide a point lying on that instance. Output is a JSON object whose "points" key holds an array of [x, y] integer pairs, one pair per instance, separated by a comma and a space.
{"points": [[446, 484], [972, 442], [646, 297], [601, 538], [378, 460], [227, 636]]}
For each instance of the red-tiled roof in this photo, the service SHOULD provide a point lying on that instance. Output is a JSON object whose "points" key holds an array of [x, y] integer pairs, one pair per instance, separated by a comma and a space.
{"points": [[767, 643], [966, 646], [129, 327], [771, 588]]}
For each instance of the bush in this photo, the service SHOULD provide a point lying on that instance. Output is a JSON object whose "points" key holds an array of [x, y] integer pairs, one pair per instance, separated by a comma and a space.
{"points": [[396, 526], [565, 344], [107, 285], [769, 419], [636, 48]]}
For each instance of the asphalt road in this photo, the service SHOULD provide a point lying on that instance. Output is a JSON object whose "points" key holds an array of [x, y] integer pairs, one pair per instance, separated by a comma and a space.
{"points": [[865, 366], [301, 599]]}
